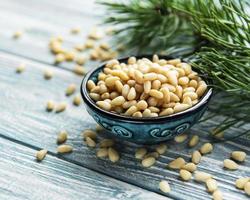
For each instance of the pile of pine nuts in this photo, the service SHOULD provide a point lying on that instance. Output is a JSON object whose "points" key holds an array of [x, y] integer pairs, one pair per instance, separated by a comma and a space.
{"points": [[145, 88]]}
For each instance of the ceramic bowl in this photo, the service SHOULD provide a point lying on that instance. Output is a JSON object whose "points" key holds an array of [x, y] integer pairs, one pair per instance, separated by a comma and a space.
{"points": [[143, 130]]}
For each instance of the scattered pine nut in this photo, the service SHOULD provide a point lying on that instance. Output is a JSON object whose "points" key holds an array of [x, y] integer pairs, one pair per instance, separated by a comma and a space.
{"points": [[240, 182], [62, 137], [201, 176], [40, 155], [161, 148], [177, 163], [211, 185], [89, 133], [64, 148], [206, 148], [140, 153], [185, 175], [59, 58], [107, 143], [102, 153], [193, 141], [148, 162], [77, 100], [113, 155], [238, 156], [80, 60], [79, 70], [48, 74], [196, 157], [50, 106], [217, 195], [90, 142], [75, 30], [69, 55], [247, 188], [60, 107], [230, 164], [70, 89], [152, 154], [191, 167], [17, 34], [20, 68], [180, 138], [164, 186]]}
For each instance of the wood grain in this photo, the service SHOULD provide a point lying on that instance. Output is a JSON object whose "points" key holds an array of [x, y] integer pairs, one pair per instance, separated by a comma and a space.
{"points": [[41, 21], [24, 119], [22, 177]]}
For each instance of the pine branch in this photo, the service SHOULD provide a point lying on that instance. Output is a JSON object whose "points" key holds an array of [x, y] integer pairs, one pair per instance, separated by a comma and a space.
{"points": [[220, 30]]}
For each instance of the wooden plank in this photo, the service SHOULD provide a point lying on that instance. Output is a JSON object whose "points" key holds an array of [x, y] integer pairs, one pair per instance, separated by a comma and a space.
{"points": [[57, 18], [22, 177], [23, 118]]}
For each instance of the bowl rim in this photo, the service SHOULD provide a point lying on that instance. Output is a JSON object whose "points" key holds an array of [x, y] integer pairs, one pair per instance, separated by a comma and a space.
{"points": [[85, 95]]}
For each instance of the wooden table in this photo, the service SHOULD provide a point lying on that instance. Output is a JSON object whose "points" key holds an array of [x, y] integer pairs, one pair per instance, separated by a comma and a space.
{"points": [[26, 127]]}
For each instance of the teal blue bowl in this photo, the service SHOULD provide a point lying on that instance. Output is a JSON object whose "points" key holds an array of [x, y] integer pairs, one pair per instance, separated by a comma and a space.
{"points": [[143, 130]]}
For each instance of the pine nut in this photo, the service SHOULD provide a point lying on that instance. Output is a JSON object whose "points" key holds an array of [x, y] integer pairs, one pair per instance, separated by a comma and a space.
{"points": [[201, 90], [211, 185], [206, 148], [90, 142], [128, 104], [162, 78], [192, 95], [185, 175], [48, 74], [118, 101], [174, 61], [70, 89], [125, 90], [178, 91], [183, 80], [187, 100], [229, 164], [75, 30], [113, 155], [79, 70], [102, 153], [146, 113], [202, 176], [247, 188], [147, 86], [177, 163], [174, 97], [167, 111], [140, 153], [187, 68], [156, 94], [40, 155], [240, 182], [131, 94], [64, 148], [164, 186], [50, 106], [193, 141], [20, 68], [152, 154], [142, 105], [193, 83], [60, 107], [132, 60], [217, 195], [104, 105], [180, 107], [155, 58], [196, 157], [161, 148], [94, 96], [180, 138], [90, 85], [62, 137], [17, 34], [148, 162], [138, 76], [89, 133], [137, 114], [238, 156], [172, 79], [106, 143], [131, 111], [150, 76], [191, 167], [77, 100], [166, 94], [113, 95]]}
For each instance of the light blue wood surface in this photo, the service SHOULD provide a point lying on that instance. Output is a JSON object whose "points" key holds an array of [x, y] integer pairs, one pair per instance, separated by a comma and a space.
{"points": [[24, 121]]}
